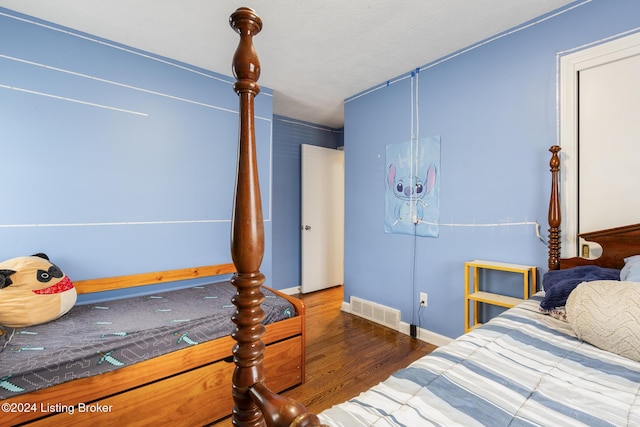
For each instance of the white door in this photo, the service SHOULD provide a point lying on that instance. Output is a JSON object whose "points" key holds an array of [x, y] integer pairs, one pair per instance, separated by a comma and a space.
{"points": [[600, 124], [322, 230], [609, 145]]}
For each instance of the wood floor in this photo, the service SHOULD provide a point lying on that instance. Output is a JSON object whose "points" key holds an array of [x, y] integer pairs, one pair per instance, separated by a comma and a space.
{"points": [[345, 353]]}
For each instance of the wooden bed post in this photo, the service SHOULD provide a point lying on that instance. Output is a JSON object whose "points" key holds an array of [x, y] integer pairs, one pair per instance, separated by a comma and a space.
{"points": [[247, 229], [555, 216], [254, 403]]}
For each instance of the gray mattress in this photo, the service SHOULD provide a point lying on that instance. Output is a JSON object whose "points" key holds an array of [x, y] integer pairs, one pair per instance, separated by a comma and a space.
{"points": [[96, 338]]}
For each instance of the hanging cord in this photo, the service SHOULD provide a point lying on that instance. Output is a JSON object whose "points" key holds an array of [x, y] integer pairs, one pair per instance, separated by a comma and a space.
{"points": [[417, 221], [411, 205], [413, 277], [420, 308], [415, 131], [412, 213], [417, 105]]}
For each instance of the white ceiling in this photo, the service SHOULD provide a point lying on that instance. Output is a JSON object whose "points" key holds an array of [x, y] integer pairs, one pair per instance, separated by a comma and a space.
{"points": [[314, 53]]}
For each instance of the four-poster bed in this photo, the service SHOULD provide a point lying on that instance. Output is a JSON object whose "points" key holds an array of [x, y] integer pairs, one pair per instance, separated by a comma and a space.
{"points": [[524, 367]]}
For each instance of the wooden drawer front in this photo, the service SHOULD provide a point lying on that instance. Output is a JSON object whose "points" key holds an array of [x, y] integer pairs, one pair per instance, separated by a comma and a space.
{"points": [[283, 364], [196, 397]]}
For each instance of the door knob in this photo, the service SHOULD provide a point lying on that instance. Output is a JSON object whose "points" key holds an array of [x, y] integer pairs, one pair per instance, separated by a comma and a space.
{"points": [[307, 227]]}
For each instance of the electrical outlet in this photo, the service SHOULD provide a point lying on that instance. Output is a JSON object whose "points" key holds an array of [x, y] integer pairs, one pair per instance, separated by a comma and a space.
{"points": [[424, 299]]}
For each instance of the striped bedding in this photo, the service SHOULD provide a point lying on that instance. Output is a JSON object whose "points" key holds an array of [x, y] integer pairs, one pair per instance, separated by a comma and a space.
{"points": [[522, 368]]}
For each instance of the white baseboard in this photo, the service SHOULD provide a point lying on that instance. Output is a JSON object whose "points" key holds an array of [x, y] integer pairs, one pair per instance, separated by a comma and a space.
{"points": [[290, 291], [423, 334], [426, 335], [346, 307]]}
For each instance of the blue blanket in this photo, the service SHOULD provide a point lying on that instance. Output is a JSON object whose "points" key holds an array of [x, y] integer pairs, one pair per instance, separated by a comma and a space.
{"points": [[558, 284]]}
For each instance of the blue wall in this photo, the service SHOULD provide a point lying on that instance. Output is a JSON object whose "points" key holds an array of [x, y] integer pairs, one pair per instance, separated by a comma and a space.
{"points": [[116, 161], [494, 107], [288, 136]]}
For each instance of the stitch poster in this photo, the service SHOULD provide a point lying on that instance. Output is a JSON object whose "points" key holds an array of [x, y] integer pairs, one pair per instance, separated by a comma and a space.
{"points": [[412, 185]]}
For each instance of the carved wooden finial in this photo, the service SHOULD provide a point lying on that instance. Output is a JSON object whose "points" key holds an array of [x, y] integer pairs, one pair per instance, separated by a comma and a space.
{"points": [[555, 216], [246, 65]]}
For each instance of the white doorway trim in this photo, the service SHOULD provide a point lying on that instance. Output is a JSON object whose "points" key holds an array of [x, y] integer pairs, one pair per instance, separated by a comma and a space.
{"points": [[569, 67]]}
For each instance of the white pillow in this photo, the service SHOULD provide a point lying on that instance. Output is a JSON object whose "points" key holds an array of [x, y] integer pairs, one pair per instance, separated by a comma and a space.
{"points": [[606, 314]]}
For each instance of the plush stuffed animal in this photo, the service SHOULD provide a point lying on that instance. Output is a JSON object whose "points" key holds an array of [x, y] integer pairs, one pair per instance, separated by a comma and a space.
{"points": [[33, 291]]}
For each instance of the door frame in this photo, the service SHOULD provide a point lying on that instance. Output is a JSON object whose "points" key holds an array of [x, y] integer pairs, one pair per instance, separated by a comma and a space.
{"points": [[570, 65], [334, 273]]}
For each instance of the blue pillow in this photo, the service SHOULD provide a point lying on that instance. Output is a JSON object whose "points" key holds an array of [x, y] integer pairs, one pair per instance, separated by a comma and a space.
{"points": [[558, 284], [631, 270]]}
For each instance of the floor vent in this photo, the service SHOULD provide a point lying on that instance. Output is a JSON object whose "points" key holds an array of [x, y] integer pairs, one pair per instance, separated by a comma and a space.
{"points": [[378, 313]]}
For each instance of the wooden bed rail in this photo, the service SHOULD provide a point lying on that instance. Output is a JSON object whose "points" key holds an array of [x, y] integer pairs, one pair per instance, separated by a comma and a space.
{"points": [[254, 404], [153, 278]]}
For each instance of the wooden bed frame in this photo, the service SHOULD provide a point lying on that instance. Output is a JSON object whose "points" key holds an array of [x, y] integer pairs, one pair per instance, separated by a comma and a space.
{"points": [[617, 243], [255, 404], [186, 387]]}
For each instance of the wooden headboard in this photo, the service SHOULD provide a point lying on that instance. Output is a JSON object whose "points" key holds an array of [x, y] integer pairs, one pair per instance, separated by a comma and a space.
{"points": [[617, 243]]}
